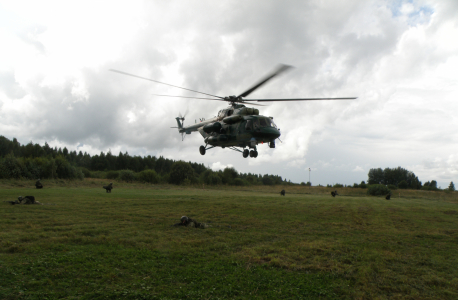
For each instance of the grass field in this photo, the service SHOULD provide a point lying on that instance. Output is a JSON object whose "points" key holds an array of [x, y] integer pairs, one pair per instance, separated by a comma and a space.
{"points": [[88, 244]]}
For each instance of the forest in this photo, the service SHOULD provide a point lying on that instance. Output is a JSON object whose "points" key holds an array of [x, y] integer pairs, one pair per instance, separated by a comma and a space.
{"points": [[33, 161]]}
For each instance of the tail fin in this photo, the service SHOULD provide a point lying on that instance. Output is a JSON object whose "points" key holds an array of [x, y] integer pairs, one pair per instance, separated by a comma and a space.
{"points": [[180, 126]]}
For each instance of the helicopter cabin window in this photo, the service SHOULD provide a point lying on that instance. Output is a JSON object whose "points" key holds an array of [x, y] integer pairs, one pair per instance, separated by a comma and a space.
{"points": [[249, 125], [262, 122], [229, 112]]}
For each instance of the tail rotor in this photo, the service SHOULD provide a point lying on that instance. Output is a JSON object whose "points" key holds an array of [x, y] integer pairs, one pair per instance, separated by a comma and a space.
{"points": [[180, 121]]}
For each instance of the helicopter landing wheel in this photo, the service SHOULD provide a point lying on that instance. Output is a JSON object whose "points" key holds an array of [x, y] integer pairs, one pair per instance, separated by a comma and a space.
{"points": [[252, 153], [202, 150], [246, 152], [255, 154]]}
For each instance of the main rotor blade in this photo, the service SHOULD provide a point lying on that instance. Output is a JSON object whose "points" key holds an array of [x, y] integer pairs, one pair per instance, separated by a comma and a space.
{"points": [[187, 97], [251, 103], [298, 99], [124, 73], [279, 70]]}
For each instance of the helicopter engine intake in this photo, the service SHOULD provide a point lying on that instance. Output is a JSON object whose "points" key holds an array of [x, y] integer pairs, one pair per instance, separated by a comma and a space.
{"points": [[212, 127]]}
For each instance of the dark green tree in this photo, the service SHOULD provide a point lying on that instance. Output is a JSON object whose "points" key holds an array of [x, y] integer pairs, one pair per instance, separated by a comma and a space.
{"points": [[375, 176], [403, 184], [451, 187], [181, 171]]}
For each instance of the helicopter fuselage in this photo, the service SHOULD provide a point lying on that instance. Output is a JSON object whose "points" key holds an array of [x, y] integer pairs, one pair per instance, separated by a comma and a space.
{"points": [[236, 126]]}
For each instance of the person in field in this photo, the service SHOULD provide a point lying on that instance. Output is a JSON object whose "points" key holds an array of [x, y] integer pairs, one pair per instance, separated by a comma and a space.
{"points": [[109, 187], [188, 222], [38, 184], [24, 200]]}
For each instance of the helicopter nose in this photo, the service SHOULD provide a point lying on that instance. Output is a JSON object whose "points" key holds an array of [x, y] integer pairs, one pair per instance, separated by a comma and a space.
{"points": [[269, 133]]}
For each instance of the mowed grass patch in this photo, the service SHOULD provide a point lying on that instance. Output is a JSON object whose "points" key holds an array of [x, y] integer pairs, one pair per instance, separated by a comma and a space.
{"points": [[86, 243]]}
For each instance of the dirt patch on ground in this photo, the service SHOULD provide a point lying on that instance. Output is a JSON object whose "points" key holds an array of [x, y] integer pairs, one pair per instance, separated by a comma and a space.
{"points": [[450, 212]]}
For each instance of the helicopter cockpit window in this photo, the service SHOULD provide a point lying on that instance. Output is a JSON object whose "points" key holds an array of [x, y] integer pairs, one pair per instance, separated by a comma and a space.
{"points": [[249, 125], [263, 122], [221, 113], [272, 124], [229, 112]]}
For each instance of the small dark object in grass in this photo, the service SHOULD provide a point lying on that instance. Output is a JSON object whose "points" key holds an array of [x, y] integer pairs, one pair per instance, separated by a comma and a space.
{"points": [[388, 197], [38, 184], [334, 193], [109, 187], [282, 192]]}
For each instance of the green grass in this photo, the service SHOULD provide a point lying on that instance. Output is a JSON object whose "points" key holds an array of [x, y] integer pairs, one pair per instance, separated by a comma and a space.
{"points": [[88, 244]]}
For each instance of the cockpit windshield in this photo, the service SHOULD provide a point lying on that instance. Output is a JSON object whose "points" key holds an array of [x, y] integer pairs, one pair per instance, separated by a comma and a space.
{"points": [[266, 122], [259, 123]]}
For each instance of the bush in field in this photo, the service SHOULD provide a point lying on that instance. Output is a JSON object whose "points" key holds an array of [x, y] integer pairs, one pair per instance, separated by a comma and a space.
{"points": [[240, 182], [338, 185], [266, 180], [65, 170], [11, 167], [214, 179], [378, 190], [127, 175], [403, 184], [211, 178], [112, 175], [392, 187], [363, 185], [86, 172], [229, 175], [180, 171], [149, 176]]}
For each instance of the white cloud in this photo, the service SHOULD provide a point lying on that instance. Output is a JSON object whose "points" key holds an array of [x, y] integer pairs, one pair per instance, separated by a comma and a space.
{"points": [[218, 166], [399, 58]]}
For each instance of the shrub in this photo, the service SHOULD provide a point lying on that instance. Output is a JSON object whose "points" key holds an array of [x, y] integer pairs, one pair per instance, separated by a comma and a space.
{"points": [[240, 182], [127, 175], [112, 174], [378, 190], [180, 171], [338, 185], [213, 179], [403, 184], [392, 187], [99, 174], [149, 176], [12, 168], [363, 185], [66, 171], [86, 172]]}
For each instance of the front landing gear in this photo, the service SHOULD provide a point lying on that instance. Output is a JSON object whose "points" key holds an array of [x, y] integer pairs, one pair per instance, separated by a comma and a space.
{"points": [[246, 152], [253, 153], [202, 150]]}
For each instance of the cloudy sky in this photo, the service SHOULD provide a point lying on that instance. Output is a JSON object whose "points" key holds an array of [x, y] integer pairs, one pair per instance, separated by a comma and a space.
{"points": [[400, 58]]}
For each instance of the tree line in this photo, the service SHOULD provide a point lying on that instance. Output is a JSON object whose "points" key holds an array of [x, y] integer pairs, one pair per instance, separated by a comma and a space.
{"points": [[401, 178], [33, 161]]}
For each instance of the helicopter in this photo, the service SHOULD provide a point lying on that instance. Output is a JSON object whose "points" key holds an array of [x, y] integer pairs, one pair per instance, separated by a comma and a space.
{"points": [[236, 126]]}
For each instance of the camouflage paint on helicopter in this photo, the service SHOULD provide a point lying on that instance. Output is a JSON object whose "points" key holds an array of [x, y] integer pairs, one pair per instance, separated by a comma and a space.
{"points": [[237, 125]]}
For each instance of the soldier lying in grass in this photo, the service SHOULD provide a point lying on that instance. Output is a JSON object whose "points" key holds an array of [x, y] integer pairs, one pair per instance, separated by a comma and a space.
{"points": [[188, 222], [24, 200]]}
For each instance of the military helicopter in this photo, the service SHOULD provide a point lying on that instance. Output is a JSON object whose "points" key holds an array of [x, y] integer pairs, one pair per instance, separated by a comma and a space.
{"points": [[236, 125]]}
